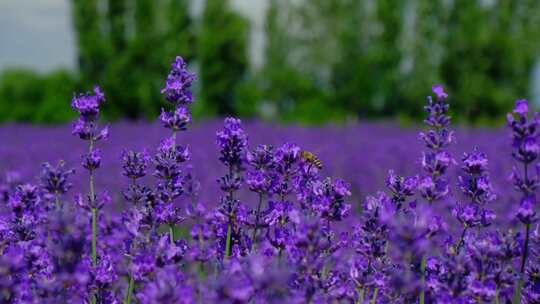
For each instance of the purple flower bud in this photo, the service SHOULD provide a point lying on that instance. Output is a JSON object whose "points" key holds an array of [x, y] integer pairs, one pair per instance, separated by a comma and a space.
{"points": [[168, 213], [168, 159], [92, 160], [87, 104], [135, 163], [256, 181], [522, 107], [177, 88], [105, 272], [24, 200], [439, 91], [279, 212], [142, 265], [55, 179], [102, 134], [167, 283], [176, 120], [526, 213], [475, 162], [262, 157], [287, 154], [229, 183], [232, 141], [88, 130], [433, 190], [400, 185], [137, 194], [530, 149], [98, 202]]}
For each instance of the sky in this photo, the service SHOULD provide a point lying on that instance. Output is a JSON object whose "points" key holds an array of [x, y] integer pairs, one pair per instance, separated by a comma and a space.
{"points": [[38, 33]]}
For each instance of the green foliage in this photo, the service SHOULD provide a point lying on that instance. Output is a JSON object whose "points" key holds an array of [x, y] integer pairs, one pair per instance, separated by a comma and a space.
{"points": [[222, 56], [491, 50], [379, 58], [28, 96], [134, 59], [91, 45]]}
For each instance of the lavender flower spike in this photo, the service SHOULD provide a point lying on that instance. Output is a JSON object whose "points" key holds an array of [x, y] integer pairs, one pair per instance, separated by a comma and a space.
{"points": [[86, 128], [525, 151], [177, 88], [436, 160], [177, 91], [54, 180], [232, 142], [434, 186]]}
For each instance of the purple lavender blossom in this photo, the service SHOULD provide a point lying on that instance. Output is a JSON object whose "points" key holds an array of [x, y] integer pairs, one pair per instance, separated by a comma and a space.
{"points": [[436, 160], [260, 179], [330, 203], [232, 142], [87, 104], [135, 163], [177, 88], [54, 182], [55, 179], [169, 286], [97, 202], [92, 160], [476, 187], [525, 151], [176, 120], [401, 188]]}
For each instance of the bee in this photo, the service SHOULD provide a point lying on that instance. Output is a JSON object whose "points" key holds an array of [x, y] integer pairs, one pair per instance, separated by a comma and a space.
{"points": [[311, 159]]}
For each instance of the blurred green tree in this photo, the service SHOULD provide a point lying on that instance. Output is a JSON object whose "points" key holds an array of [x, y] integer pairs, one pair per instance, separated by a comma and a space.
{"points": [[379, 58], [289, 91], [91, 43], [133, 56], [489, 53], [222, 57], [28, 96]]}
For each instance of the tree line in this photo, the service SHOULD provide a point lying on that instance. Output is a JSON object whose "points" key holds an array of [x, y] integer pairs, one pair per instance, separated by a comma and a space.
{"points": [[323, 60]]}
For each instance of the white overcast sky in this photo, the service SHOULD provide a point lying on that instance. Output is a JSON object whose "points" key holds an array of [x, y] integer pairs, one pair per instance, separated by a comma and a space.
{"points": [[38, 33]]}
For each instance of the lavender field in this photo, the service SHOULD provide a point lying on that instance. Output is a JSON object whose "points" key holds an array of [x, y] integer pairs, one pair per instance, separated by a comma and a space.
{"points": [[246, 212], [361, 153]]}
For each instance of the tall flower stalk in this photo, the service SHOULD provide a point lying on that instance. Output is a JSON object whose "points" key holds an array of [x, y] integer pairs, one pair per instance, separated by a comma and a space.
{"points": [[436, 160], [476, 186], [525, 150], [232, 142], [260, 180], [86, 128], [282, 215], [177, 91], [433, 185], [134, 166]]}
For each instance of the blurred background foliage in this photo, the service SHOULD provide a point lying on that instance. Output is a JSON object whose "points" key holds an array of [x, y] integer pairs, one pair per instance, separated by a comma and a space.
{"points": [[323, 60]]}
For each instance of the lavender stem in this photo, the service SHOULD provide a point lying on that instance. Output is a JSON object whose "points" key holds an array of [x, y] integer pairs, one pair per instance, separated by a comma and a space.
{"points": [[130, 290], [375, 294], [228, 242], [171, 233], [254, 244], [423, 274]]}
